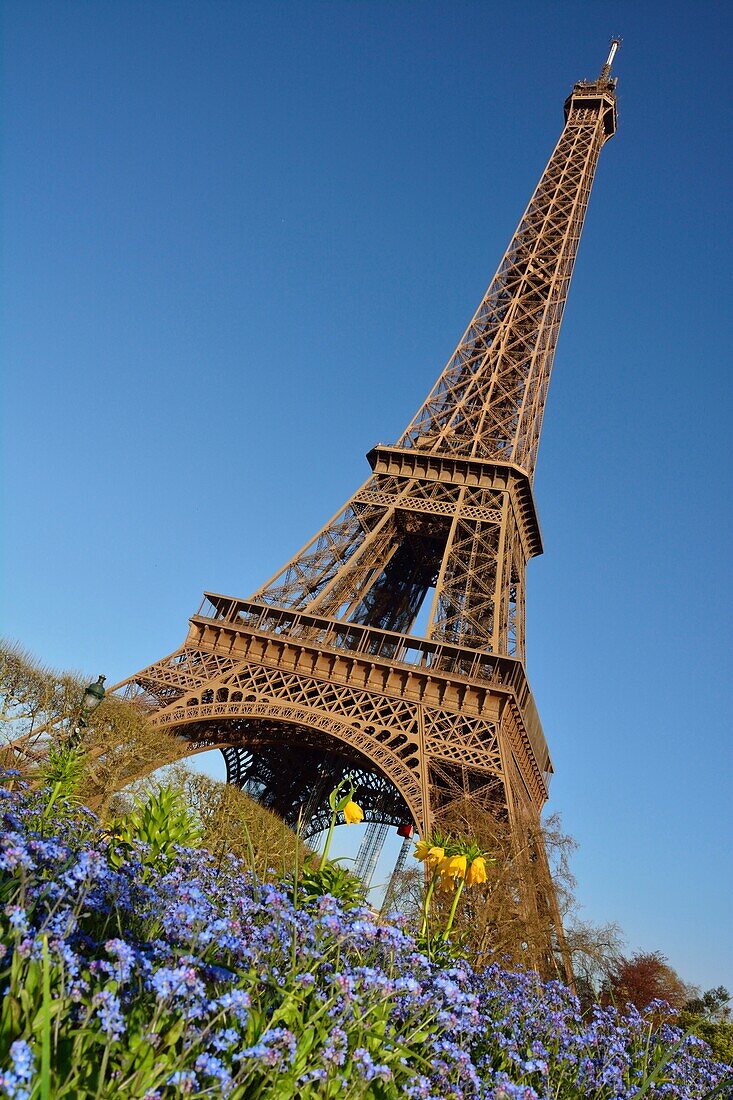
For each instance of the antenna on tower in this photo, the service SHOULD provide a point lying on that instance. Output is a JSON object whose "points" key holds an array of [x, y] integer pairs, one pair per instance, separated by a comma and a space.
{"points": [[606, 70]]}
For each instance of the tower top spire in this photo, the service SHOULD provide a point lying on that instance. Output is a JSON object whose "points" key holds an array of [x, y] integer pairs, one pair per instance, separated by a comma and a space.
{"points": [[606, 70]]}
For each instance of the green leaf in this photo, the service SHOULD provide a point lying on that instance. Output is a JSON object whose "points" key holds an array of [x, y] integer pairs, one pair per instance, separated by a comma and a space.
{"points": [[46, 1025], [656, 1073], [343, 802]]}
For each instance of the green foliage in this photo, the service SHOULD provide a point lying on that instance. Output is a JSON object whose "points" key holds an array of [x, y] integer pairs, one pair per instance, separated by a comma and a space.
{"points": [[61, 777], [161, 822], [336, 799], [717, 1034], [708, 1017], [331, 878], [64, 768], [207, 982], [444, 952]]}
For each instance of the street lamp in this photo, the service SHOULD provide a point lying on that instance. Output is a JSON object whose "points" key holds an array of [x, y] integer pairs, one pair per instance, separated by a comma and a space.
{"points": [[93, 696], [90, 700]]}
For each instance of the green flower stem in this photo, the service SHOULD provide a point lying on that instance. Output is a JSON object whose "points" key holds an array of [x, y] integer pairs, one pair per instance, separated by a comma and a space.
{"points": [[327, 847], [426, 903], [453, 908], [45, 1022], [103, 1070], [55, 792], [336, 805]]}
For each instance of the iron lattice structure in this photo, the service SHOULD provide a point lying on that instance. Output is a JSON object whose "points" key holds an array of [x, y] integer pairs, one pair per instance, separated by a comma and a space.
{"points": [[320, 672]]}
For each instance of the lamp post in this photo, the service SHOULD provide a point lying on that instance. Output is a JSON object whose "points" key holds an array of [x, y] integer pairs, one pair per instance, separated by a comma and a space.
{"points": [[90, 700], [93, 696]]}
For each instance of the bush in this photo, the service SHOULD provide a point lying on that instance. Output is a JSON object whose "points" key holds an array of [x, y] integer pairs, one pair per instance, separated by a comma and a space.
{"points": [[195, 978], [233, 821]]}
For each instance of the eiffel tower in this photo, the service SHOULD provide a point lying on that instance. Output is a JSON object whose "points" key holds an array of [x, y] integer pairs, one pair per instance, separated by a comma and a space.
{"points": [[319, 672]]}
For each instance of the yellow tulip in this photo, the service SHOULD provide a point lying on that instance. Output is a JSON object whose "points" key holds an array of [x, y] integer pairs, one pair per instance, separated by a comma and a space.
{"points": [[447, 884], [421, 849], [353, 814], [476, 873], [434, 856], [456, 867]]}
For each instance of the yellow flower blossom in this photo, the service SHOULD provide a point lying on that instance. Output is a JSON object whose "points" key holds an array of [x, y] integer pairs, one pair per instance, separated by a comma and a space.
{"points": [[476, 873], [434, 856], [446, 883], [421, 849], [353, 814], [456, 867]]}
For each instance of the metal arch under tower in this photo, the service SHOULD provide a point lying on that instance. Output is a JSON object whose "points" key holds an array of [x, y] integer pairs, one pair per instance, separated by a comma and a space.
{"points": [[318, 673]]}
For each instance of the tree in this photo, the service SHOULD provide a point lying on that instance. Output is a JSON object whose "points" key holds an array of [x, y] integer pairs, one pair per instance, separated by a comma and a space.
{"points": [[39, 708], [645, 978], [512, 919], [32, 697], [714, 1005], [595, 951]]}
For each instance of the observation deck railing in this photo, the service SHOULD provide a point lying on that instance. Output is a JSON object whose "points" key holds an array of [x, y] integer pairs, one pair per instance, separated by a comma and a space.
{"points": [[403, 649]]}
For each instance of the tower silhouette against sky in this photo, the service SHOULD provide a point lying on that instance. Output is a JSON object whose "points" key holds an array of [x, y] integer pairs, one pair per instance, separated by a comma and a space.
{"points": [[319, 672]]}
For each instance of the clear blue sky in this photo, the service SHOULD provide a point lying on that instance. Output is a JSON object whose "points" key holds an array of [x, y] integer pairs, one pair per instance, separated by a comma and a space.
{"points": [[240, 241]]}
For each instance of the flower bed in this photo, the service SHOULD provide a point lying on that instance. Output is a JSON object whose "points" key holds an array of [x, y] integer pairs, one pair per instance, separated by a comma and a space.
{"points": [[202, 981]]}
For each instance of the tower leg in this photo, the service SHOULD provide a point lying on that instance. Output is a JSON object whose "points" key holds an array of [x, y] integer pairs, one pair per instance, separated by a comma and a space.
{"points": [[370, 851], [395, 876]]}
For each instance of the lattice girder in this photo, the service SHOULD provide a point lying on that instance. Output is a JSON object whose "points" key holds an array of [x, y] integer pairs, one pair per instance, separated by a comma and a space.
{"points": [[489, 401], [466, 528]]}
